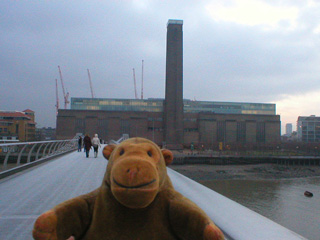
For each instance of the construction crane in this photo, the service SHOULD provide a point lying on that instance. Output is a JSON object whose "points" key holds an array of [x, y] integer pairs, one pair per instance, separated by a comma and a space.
{"points": [[92, 95], [135, 84], [142, 82], [57, 98], [65, 96]]}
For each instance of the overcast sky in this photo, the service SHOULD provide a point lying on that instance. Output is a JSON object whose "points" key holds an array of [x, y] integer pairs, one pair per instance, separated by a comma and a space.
{"points": [[264, 51]]}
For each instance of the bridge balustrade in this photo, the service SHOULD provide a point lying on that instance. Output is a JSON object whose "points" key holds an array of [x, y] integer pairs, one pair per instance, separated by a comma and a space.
{"points": [[14, 155]]}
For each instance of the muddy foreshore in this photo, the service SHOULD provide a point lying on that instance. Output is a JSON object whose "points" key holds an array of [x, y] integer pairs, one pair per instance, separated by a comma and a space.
{"points": [[201, 172]]}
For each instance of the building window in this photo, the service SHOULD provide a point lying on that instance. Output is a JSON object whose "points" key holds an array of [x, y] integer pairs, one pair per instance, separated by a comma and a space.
{"points": [[190, 119], [241, 132], [156, 129], [79, 122], [261, 134], [103, 123], [221, 131], [103, 126], [124, 127], [191, 129], [80, 125]]}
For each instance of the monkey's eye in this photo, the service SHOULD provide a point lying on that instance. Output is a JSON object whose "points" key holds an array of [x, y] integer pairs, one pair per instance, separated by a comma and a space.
{"points": [[149, 153], [121, 152]]}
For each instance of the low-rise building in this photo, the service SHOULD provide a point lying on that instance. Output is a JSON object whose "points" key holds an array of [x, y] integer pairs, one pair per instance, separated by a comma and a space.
{"points": [[111, 118], [45, 134], [15, 125]]}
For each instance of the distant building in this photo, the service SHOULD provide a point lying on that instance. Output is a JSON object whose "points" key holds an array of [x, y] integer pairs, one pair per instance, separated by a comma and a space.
{"points": [[173, 122], [291, 138], [45, 134], [308, 129], [288, 129], [16, 125]]}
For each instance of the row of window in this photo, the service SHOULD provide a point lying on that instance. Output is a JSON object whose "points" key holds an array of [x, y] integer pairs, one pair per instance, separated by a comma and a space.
{"points": [[157, 106], [6, 123], [8, 138], [156, 129], [3, 130], [311, 140], [241, 135]]}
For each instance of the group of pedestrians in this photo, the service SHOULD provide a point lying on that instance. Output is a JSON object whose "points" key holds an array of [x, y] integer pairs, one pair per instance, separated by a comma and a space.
{"points": [[89, 143]]}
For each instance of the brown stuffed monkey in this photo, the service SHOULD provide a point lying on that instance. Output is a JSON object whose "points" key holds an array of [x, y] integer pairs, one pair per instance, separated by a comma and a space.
{"points": [[136, 201]]}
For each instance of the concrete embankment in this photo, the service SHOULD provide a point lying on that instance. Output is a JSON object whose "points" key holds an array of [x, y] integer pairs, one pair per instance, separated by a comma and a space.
{"points": [[180, 159]]}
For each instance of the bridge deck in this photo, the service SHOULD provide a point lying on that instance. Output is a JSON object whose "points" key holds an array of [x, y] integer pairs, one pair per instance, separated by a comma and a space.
{"points": [[26, 195]]}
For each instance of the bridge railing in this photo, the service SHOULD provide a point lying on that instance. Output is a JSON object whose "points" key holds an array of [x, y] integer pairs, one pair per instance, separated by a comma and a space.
{"points": [[14, 155], [123, 137], [236, 221]]}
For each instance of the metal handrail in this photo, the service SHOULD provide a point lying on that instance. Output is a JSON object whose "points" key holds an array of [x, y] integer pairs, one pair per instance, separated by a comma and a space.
{"points": [[56, 147], [236, 221]]}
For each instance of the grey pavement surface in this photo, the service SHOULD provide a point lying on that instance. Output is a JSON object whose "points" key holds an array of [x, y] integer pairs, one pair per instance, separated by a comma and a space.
{"points": [[24, 196]]}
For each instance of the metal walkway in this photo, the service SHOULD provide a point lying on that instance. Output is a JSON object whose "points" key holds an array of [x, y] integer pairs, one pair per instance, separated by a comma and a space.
{"points": [[25, 195]]}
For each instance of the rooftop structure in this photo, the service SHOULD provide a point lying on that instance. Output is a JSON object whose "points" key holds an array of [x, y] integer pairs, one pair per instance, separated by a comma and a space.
{"points": [[175, 21], [156, 105]]}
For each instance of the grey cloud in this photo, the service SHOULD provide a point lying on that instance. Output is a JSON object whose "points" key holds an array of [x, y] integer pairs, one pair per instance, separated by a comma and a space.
{"points": [[222, 61]]}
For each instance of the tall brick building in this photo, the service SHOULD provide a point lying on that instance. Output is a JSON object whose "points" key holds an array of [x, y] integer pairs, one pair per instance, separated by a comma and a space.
{"points": [[174, 121]]}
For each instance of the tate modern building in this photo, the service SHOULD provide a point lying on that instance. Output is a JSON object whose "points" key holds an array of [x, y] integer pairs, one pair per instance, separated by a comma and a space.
{"points": [[172, 122]]}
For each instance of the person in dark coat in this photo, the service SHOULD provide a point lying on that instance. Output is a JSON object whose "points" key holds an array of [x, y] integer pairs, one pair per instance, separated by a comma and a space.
{"points": [[87, 144], [79, 144]]}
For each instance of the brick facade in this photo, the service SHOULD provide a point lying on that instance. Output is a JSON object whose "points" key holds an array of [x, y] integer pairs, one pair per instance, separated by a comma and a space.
{"points": [[206, 129]]}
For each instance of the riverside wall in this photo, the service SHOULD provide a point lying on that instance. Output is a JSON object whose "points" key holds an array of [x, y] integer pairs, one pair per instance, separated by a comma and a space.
{"points": [[240, 160]]}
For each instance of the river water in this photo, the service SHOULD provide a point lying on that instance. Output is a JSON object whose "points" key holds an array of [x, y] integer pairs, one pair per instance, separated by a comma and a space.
{"points": [[282, 201]]}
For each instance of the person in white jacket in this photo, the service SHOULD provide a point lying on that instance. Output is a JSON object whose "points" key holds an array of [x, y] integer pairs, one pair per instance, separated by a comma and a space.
{"points": [[95, 144]]}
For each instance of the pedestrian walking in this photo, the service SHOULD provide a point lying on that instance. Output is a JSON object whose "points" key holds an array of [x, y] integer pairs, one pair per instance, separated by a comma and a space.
{"points": [[79, 144], [96, 144], [87, 144]]}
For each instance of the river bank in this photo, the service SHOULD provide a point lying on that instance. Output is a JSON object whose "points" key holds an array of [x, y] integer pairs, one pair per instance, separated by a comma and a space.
{"points": [[201, 172]]}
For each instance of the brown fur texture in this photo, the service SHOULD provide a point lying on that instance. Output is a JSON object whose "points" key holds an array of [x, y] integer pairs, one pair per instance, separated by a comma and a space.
{"points": [[136, 201]]}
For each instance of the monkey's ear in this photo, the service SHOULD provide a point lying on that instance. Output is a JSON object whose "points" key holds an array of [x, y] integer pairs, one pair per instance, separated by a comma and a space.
{"points": [[167, 155], [107, 150]]}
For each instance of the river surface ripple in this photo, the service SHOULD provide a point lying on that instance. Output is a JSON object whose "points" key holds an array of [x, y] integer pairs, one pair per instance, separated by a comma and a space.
{"points": [[282, 201]]}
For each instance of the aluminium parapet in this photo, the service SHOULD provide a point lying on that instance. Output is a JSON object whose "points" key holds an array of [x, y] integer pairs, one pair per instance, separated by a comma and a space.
{"points": [[51, 149], [236, 221]]}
